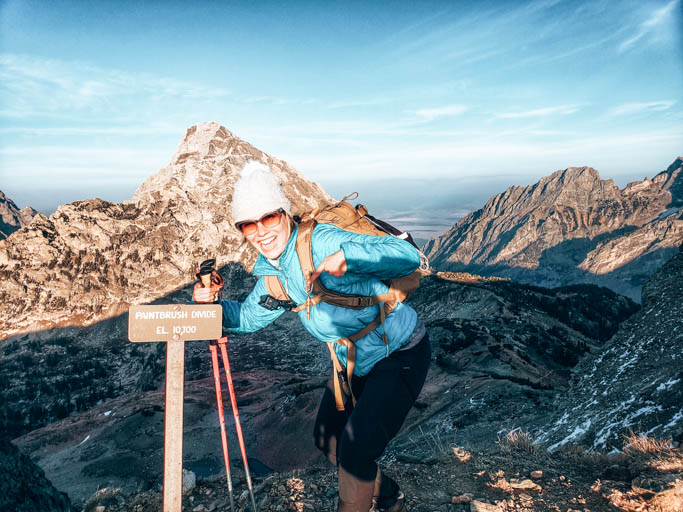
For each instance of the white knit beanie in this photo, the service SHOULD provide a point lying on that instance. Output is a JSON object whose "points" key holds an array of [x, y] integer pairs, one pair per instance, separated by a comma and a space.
{"points": [[257, 192]]}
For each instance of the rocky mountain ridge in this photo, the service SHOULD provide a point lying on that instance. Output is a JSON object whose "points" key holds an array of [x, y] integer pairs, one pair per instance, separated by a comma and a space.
{"points": [[12, 218], [570, 227], [91, 259]]}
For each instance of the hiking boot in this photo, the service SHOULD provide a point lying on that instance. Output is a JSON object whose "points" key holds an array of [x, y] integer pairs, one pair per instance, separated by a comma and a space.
{"points": [[387, 497], [391, 504]]}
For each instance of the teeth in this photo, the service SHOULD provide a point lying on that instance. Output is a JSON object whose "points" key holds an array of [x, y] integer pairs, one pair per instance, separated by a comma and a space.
{"points": [[267, 241]]}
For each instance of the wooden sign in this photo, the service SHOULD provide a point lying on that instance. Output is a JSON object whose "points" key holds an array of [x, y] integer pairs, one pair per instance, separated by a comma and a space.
{"points": [[174, 324]]}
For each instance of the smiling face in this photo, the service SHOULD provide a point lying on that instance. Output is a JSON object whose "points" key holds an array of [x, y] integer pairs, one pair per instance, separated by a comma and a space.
{"points": [[270, 240]]}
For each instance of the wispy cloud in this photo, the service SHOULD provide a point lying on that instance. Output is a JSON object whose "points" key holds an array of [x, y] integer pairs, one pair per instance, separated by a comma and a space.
{"points": [[52, 87], [656, 19], [637, 108], [274, 100], [563, 110], [37, 165], [429, 114], [90, 130], [536, 31], [372, 102]]}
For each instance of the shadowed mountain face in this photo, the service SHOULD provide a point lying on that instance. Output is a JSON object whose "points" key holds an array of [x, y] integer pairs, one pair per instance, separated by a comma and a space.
{"points": [[635, 383], [12, 218], [571, 227], [24, 487], [91, 259]]}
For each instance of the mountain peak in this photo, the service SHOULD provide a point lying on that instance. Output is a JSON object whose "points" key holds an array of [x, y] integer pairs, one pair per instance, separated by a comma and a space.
{"points": [[113, 254], [677, 164], [202, 140], [11, 217], [572, 175]]}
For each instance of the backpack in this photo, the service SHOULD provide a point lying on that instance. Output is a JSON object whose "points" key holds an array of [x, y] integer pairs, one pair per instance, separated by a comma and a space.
{"points": [[357, 220]]}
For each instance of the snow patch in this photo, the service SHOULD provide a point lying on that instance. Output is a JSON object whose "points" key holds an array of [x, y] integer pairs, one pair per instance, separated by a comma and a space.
{"points": [[628, 363], [107, 413], [677, 417], [563, 420], [666, 385], [578, 432], [84, 440], [643, 410]]}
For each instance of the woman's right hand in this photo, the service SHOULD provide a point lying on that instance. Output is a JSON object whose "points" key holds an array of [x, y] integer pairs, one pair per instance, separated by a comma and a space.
{"points": [[334, 264], [202, 294]]}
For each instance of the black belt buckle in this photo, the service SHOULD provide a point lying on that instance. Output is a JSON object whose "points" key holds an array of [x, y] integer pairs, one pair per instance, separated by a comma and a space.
{"points": [[271, 303]]}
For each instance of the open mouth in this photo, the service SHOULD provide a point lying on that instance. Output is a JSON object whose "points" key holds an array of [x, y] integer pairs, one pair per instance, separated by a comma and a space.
{"points": [[267, 243]]}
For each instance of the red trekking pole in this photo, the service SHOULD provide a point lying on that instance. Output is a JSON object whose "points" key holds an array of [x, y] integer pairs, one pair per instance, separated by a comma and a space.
{"points": [[221, 418], [222, 343], [209, 278]]}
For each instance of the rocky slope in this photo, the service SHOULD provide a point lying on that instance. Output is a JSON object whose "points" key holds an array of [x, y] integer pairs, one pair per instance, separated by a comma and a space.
{"points": [[12, 218], [24, 487], [571, 227], [511, 475], [636, 383], [91, 259], [502, 351]]}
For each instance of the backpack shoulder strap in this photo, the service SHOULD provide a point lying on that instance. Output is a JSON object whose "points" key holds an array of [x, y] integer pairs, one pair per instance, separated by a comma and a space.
{"points": [[304, 247], [275, 288]]}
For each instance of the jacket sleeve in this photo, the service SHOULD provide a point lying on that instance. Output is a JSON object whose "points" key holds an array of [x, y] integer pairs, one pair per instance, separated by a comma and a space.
{"points": [[249, 316], [383, 257]]}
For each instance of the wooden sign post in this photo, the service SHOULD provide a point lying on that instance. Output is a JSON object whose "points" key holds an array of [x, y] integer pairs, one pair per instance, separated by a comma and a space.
{"points": [[175, 324]]}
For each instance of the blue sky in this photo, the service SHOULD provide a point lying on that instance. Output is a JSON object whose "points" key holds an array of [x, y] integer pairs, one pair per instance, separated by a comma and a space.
{"points": [[450, 99]]}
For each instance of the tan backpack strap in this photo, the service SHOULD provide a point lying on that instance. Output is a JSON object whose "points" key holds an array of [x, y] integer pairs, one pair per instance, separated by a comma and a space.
{"points": [[304, 248], [401, 288], [275, 288], [311, 301], [336, 373], [343, 300], [350, 344], [350, 364]]}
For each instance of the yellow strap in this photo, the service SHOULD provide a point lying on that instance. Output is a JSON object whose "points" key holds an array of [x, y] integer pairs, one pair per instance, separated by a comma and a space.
{"points": [[303, 248], [336, 368], [275, 288], [350, 363]]}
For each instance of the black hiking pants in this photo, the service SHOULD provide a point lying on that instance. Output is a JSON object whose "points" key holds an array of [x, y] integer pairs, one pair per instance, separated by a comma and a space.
{"points": [[356, 437]]}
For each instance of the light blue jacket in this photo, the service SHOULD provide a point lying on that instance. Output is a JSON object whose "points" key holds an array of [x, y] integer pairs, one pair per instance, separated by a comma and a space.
{"points": [[370, 260]]}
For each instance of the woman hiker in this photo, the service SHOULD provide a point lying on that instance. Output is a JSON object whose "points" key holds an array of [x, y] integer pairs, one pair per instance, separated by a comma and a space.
{"points": [[391, 361]]}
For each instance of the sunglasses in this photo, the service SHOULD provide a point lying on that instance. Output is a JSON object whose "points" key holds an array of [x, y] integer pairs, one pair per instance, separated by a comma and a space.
{"points": [[269, 220]]}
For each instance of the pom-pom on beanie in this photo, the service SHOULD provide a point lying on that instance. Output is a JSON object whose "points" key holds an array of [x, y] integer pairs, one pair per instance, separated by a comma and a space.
{"points": [[256, 193]]}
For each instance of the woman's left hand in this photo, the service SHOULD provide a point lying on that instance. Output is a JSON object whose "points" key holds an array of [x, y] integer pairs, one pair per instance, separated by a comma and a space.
{"points": [[334, 264]]}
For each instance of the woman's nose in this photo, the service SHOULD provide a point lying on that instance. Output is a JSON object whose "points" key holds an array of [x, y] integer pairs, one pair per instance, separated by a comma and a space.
{"points": [[260, 229]]}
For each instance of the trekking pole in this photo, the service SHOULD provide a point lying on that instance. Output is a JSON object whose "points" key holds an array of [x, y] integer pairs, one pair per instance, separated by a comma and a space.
{"points": [[221, 417], [222, 342]]}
